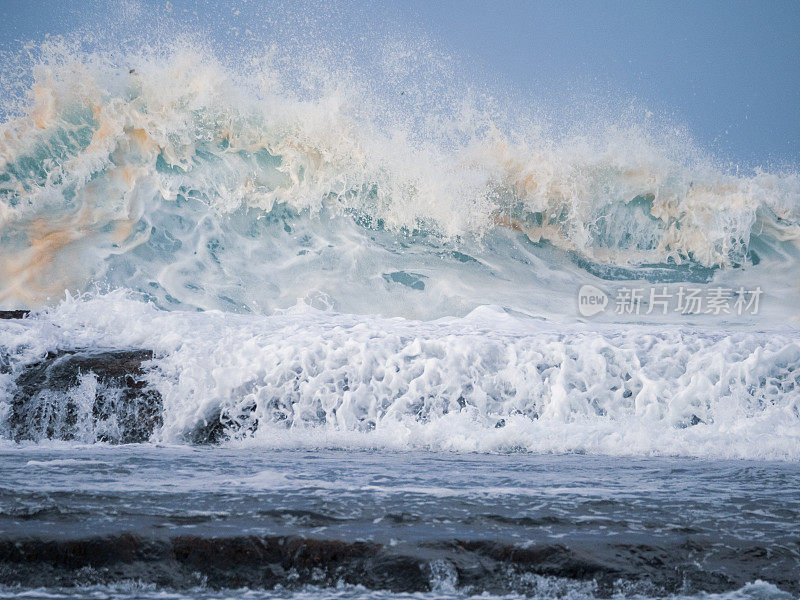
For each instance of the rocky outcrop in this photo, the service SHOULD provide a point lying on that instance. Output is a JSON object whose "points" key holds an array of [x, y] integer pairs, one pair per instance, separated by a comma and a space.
{"points": [[186, 561], [476, 566], [86, 395]]}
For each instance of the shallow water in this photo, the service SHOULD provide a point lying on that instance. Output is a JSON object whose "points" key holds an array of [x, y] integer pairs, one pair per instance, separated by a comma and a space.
{"points": [[436, 523]]}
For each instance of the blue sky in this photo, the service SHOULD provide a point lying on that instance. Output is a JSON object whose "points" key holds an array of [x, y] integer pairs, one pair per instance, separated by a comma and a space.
{"points": [[730, 71]]}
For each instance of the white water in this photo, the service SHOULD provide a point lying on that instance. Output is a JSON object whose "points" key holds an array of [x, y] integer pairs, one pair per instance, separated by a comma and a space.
{"points": [[207, 187], [410, 274], [485, 382]]}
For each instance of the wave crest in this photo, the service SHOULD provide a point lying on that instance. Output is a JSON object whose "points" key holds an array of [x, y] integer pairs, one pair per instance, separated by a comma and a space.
{"points": [[118, 164]]}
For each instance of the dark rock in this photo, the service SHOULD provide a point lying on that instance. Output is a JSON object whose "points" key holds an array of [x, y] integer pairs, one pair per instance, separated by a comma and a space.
{"points": [[475, 565], [208, 431], [90, 395], [480, 565], [184, 561], [13, 314]]}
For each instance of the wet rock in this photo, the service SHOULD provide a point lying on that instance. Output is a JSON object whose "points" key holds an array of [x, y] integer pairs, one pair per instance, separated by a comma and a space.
{"points": [[13, 314], [86, 395], [186, 561], [479, 566], [210, 430]]}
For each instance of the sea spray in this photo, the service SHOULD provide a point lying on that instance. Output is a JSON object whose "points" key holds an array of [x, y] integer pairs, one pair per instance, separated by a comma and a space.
{"points": [[181, 178]]}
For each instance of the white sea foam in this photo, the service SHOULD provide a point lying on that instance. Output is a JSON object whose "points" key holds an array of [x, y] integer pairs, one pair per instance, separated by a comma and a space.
{"points": [[311, 378], [546, 588], [63, 462]]}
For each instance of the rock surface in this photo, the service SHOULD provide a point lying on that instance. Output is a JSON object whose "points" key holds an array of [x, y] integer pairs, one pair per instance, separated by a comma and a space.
{"points": [[13, 314], [86, 395]]}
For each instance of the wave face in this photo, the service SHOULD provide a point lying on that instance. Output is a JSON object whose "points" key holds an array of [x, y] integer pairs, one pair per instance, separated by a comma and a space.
{"points": [[167, 192], [204, 187]]}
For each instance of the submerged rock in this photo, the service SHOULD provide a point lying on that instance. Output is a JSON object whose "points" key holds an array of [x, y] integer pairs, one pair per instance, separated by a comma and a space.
{"points": [[86, 395], [663, 568]]}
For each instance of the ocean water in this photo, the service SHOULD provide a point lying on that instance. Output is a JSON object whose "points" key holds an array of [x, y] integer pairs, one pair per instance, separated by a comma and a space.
{"points": [[182, 521], [291, 337]]}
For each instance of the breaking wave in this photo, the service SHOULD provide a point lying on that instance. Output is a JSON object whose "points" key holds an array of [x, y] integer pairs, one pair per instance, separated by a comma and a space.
{"points": [[486, 382], [206, 187], [410, 272]]}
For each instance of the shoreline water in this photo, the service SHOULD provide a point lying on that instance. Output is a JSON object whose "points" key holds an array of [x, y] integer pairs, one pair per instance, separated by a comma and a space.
{"points": [[407, 522]]}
